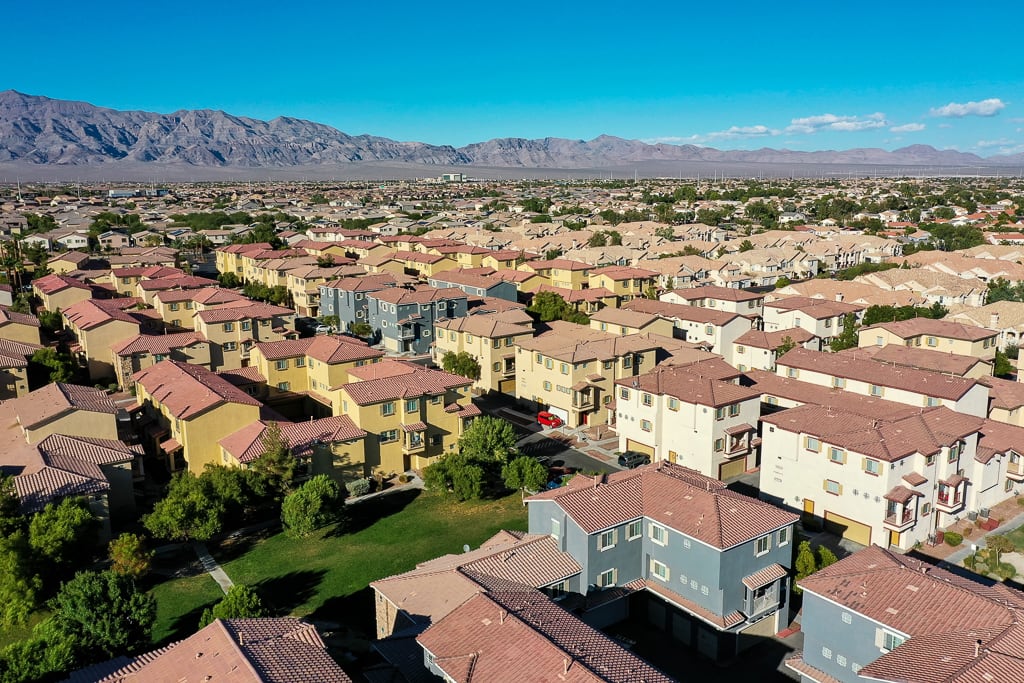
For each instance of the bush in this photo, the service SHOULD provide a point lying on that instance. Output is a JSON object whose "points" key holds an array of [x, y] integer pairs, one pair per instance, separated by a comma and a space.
{"points": [[359, 487], [403, 478], [952, 538]]}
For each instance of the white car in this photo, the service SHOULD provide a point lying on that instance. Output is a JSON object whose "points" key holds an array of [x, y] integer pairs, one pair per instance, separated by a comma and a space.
{"points": [[324, 329]]}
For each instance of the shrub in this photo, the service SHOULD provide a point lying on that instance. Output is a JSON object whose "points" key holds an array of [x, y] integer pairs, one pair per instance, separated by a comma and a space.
{"points": [[359, 487], [952, 538], [403, 478]]}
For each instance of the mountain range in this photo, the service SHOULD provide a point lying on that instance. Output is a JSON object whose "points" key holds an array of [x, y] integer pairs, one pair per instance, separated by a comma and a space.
{"points": [[40, 131]]}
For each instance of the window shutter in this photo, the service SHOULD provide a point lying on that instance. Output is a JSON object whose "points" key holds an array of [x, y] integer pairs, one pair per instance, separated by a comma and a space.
{"points": [[840, 489], [879, 639], [824, 484], [864, 464]]}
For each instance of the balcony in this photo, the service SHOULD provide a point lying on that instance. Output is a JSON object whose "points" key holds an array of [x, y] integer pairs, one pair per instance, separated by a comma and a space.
{"points": [[1015, 470], [949, 501], [900, 521], [413, 445], [404, 333], [765, 602]]}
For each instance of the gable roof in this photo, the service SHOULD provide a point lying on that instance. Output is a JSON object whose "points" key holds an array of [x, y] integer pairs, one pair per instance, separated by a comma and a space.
{"points": [[690, 384], [157, 343], [390, 380], [246, 444], [939, 328], [188, 390], [54, 400], [336, 348]]}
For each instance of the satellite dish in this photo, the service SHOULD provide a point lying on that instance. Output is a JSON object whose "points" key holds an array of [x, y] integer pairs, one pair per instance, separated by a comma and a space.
{"points": [[465, 548]]}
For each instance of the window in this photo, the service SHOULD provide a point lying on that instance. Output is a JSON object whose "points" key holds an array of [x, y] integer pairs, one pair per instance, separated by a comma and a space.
{"points": [[929, 460], [840, 660], [837, 455], [673, 403], [826, 653], [931, 341], [469, 338], [926, 509], [734, 410], [547, 386], [388, 436], [812, 444], [174, 307], [783, 536], [434, 400], [658, 534], [281, 365], [847, 618], [495, 343], [792, 372], [764, 544], [387, 408], [741, 349], [634, 530], [646, 399], [606, 540], [537, 358], [833, 487], [627, 361], [548, 363], [890, 641], [624, 394], [954, 452], [556, 528], [246, 325], [719, 445], [608, 364], [1008, 486], [719, 413], [435, 439], [871, 466], [283, 386], [300, 362], [412, 405], [828, 322], [157, 357], [496, 367], [564, 368], [606, 578], [645, 425], [877, 390], [229, 327], [931, 401], [659, 570], [839, 382], [230, 346]]}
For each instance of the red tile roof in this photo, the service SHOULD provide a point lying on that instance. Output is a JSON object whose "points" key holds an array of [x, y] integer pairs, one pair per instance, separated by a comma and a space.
{"points": [[157, 343], [188, 390], [688, 384], [15, 354], [390, 380], [697, 314], [244, 310], [9, 316], [54, 400], [50, 284], [333, 349], [91, 313], [939, 328], [246, 444]]}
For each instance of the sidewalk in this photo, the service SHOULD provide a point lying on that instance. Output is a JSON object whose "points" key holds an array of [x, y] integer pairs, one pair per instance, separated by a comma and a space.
{"points": [[414, 483], [957, 557], [211, 566]]}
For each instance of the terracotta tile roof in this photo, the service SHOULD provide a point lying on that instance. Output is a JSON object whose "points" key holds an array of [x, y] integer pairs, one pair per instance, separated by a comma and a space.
{"points": [[722, 622], [620, 273], [698, 314], [763, 577], [719, 293], [759, 339], [50, 284], [680, 498], [390, 380], [578, 343], [241, 377], [188, 390], [15, 354], [770, 384], [462, 277], [365, 283], [573, 296], [246, 310], [901, 494], [489, 326], [9, 316], [333, 349], [182, 282], [157, 343], [864, 370], [920, 358], [91, 313], [796, 663], [689, 385], [560, 264], [54, 400], [914, 478], [818, 309], [418, 295], [472, 643], [268, 650], [925, 432], [247, 443], [939, 328], [1005, 394], [286, 348], [999, 438], [621, 316]]}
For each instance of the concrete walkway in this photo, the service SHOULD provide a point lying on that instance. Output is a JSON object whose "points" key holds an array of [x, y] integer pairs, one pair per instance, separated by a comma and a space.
{"points": [[414, 483], [211, 567], [957, 558]]}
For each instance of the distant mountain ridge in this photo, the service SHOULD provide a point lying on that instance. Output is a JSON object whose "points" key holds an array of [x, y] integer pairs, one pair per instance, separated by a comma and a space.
{"points": [[47, 132]]}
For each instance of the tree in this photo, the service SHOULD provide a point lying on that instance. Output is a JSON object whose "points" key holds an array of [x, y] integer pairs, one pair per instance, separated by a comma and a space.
{"points": [[316, 503], [826, 557], [805, 563], [488, 438], [240, 602], [60, 365], [524, 473], [785, 347], [458, 474], [276, 464], [189, 511], [746, 245], [11, 518], [998, 544], [848, 338], [229, 280], [461, 363], [332, 321], [63, 533], [51, 321], [128, 556], [598, 239], [552, 254], [19, 587], [360, 329], [104, 614], [1003, 367], [550, 306], [783, 282], [37, 659]]}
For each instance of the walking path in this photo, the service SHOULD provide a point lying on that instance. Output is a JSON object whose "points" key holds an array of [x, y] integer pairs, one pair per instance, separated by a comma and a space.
{"points": [[957, 558], [211, 566]]}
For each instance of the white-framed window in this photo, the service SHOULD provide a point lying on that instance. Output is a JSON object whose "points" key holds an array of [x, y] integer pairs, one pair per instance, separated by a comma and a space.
{"points": [[812, 444], [839, 382], [889, 641], [673, 403], [837, 455], [657, 533], [634, 530], [627, 361], [826, 653], [646, 399], [734, 410], [412, 405], [659, 570], [645, 425], [764, 544], [547, 386], [388, 435], [556, 528], [607, 578], [230, 346], [686, 543], [840, 660], [624, 393], [783, 536], [877, 390], [246, 325], [229, 327], [606, 540], [387, 408], [282, 364], [283, 386], [719, 445], [300, 361], [833, 487]]}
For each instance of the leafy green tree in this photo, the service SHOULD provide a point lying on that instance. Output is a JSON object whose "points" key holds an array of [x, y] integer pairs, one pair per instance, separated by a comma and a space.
{"points": [[1003, 367], [783, 282], [998, 544], [129, 556], [598, 239], [848, 338], [461, 363], [229, 280], [746, 245], [60, 365], [524, 473], [11, 519], [240, 602], [458, 474], [19, 586], [22, 304], [1000, 289], [189, 512], [785, 347], [488, 438], [805, 563], [315, 504], [552, 254], [360, 329], [550, 306], [104, 614], [51, 321], [276, 464], [63, 533], [38, 658], [825, 557]]}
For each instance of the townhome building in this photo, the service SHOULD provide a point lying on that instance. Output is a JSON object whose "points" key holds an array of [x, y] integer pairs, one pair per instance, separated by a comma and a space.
{"points": [[19, 327], [145, 350], [304, 283], [346, 297], [99, 325], [268, 266], [187, 410], [891, 482], [14, 359], [937, 335], [413, 415], [148, 288], [625, 282], [739, 301], [874, 616], [586, 301], [417, 264], [561, 273], [1006, 400], [924, 358], [1004, 317], [491, 340], [697, 325], [621, 322], [697, 415], [233, 329], [475, 284], [758, 350], [936, 288], [918, 388], [59, 292], [177, 307], [229, 258], [700, 562], [405, 318], [823, 319], [125, 280], [570, 369]]}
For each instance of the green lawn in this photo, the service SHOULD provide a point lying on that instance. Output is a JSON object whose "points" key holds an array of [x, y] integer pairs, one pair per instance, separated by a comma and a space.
{"points": [[180, 603], [1017, 536], [326, 576], [12, 634]]}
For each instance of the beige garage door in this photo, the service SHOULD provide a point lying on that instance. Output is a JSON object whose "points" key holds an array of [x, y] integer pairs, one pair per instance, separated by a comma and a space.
{"points": [[507, 386], [847, 528], [733, 468], [639, 447]]}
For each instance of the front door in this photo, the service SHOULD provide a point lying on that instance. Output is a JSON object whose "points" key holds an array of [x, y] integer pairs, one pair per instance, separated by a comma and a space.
{"points": [[808, 507], [894, 538]]}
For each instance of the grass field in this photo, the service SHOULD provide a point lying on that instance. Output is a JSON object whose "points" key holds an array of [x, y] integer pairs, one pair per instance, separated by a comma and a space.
{"points": [[327, 575]]}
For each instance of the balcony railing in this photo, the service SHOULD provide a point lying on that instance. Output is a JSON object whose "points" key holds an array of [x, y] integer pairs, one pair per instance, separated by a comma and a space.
{"points": [[764, 602], [899, 522], [413, 445], [406, 334], [949, 503], [1015, 470]]}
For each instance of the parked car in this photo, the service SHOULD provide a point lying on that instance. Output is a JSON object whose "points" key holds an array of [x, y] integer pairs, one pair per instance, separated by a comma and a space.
{"points": [[631, 459], [324, 329], [549, 419]]}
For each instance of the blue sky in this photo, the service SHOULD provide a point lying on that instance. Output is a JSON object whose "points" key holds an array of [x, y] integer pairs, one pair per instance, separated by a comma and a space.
{"points": [[737, 75]]}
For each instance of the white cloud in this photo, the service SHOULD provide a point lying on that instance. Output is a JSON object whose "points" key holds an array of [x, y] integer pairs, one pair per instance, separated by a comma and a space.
{"points": [[673, 140], [731, 133], [908, 128], [989, 107], [812, 124], [1001, 142]]}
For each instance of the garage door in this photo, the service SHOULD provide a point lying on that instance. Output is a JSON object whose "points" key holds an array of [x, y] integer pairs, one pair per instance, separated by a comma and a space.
{"points": [[847, 528], [639, 447], [507, 386], [733, 468]]}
